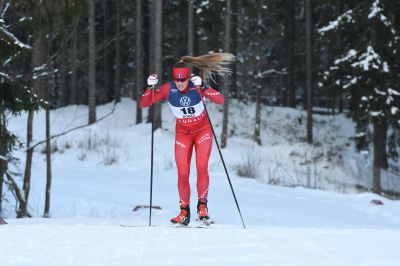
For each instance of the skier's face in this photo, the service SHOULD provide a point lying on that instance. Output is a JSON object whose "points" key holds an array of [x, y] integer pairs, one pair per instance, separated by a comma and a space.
{"points": [[181, 84]]}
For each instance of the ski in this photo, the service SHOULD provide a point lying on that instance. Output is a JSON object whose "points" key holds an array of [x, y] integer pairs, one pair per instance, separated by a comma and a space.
{"points": [[189, 226], [126, 225], [197, 224], [205, 222], [171, 226]]}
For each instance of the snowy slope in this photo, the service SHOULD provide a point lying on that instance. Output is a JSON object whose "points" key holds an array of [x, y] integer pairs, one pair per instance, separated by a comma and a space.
{"points": [[91, 242], [285, 226]]}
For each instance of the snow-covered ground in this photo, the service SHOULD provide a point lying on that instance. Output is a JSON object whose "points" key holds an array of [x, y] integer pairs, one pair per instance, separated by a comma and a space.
{"points": [[101, 173]]}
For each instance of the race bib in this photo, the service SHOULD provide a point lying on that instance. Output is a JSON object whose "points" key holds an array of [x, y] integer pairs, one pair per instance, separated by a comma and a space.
{"points": [[189, 111]]}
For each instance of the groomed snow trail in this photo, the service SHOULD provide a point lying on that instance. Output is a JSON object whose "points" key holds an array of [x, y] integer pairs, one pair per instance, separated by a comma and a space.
{"points": [[85, 242]]}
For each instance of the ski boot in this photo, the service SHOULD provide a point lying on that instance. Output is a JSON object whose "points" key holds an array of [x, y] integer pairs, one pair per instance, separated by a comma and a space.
{"points": [[202, 211], [184, 216]]}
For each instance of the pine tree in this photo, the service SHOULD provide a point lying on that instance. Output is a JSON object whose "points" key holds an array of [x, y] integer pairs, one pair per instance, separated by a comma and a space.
{"points": [[368, 72], [15, 97], [17, 83]]}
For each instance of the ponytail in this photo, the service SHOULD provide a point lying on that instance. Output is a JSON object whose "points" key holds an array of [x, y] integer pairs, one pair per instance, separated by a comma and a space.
{"points": [[210, 64]]}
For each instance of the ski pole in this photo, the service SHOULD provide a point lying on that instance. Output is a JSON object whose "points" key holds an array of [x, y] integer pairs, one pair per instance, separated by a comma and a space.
{"points": [[152, 153], [220, 154]]}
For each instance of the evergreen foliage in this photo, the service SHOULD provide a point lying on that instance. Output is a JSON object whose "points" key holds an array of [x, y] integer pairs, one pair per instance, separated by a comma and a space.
{"points": [[15, 96], [356, 57], [368, 70]]}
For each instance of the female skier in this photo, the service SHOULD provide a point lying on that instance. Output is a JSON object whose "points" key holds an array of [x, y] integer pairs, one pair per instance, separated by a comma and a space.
{"points": [[185, 94]]}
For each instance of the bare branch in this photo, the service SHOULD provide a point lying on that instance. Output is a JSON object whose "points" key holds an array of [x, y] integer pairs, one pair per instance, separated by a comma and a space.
{"points": [[15, 190], [5, 10], [73, 129], [272, 71]]}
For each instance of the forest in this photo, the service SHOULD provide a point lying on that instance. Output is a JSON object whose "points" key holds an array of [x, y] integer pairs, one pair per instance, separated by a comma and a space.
{"points": [[325, 57]]}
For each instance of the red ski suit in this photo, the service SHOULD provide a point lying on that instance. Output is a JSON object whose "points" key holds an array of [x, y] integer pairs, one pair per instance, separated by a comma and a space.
{"points": [[192, 129]]}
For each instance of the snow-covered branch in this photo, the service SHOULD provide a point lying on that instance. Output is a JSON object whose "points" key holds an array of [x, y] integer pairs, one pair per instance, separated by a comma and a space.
{"points": [[350, 55], [4, 75], [377, 11], [4, 11], [271, 71], [393, 92], [16, 41], [350, 83], [366, 61], [333, 25], [371, 59]]}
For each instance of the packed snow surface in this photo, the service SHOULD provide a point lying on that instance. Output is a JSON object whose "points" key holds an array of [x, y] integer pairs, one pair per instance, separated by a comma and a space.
{"points": [[102, 172]]}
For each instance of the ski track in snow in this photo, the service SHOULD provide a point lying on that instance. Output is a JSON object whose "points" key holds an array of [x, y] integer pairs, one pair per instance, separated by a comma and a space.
{"points": [[95, 242], [285, 226]]}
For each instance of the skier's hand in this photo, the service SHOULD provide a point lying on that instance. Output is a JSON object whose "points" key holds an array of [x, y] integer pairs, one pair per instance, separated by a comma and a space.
{"points": [[196, 80], [152, 80]]}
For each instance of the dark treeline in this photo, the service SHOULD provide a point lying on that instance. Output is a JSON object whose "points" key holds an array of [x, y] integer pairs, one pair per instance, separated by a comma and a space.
{"points": [[340, 55], [267, 37]]}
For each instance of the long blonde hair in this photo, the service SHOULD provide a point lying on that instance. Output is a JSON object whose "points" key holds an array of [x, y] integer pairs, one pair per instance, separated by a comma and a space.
{"points": [[210, 64]]}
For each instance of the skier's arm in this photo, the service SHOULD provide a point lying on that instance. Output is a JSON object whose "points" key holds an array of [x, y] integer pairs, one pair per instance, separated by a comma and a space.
{"points": [[207, 91], [151, 95], [213, 95]]}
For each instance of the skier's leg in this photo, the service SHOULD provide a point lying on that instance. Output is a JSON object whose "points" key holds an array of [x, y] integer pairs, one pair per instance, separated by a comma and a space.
{"points": [[183, 155], [203, 144]]}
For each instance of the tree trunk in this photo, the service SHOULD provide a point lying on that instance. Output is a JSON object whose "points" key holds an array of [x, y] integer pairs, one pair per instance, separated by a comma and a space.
{"points": [[309, 66], [191, 29], [233, 81], [73, 84], [64, 97], [139, 59], [340, 100], [2, 171], [3, 153], [23, 211], [105, 92], [48, 91], [46, 213], [118, 71], [396, 11], [380, 155], [227, 44], [290, 54], [92, 63], [257, 135], [158, 57], [151, 47], [39, 58]]}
